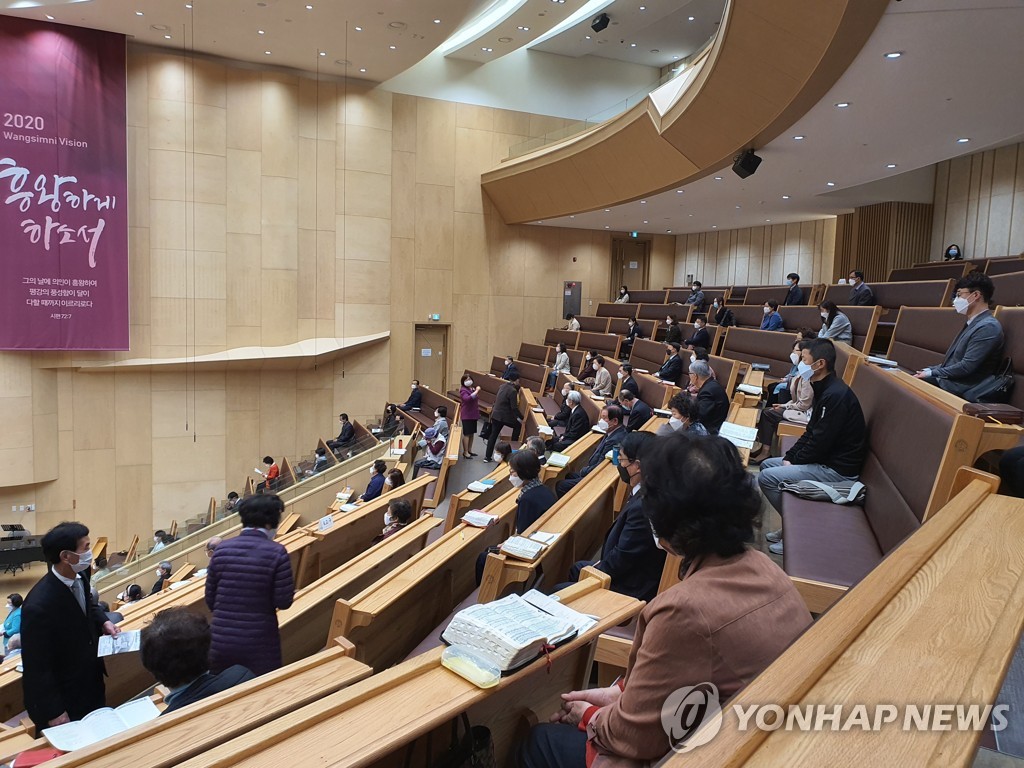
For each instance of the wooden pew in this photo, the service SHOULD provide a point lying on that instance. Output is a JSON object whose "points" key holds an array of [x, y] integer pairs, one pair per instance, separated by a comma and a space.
{"points": [[606, 344], [591, 324], [431, 400], [611, 309], [620, 326], [1009, 289], [864, 321], [750, 346], [436, 492], [892, 296], [649, 297], [535, 353], [1004, 265], [192, 730], [660, 312], [758, 295], [922, 335], [465, 500], [933, 270], [557, 336], [1012, 320], [534, 377], [386, 620], [647, 356], [375, 719], [899, 618]]}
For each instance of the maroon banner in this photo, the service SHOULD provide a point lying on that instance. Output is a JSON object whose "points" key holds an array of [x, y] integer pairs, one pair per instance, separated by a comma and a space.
{"points": [[63, 188]]}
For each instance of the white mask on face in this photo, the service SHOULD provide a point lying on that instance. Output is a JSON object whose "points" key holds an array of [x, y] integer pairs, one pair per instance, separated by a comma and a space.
{"points": [[10, 607], [158, 573], [675, 423], [595, 366], [767, 310], [413, 387], [468, 383], [693, 358], [516, 480], [588, 356], [824, 315], [565, 393], [619, 374], [388, 519], [387, 482], [795, 357], [960, 304], [84, 562], [602, 425], [498, 457]]}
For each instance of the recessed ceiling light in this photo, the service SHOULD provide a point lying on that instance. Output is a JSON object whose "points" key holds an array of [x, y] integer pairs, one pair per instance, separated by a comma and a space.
{"points": [[588, 37], [606, 226], [714, 226], [359, 29], [830, 183], [167, 37], [890, 165], [49, 17], [674, 58], [189, 6], [362, 69], [524, 29], [309, 7], [632, 45], [267, 53], [323, 53], [393, 47], [842, 104], [958, 141], [785, 197], [260, 32], [645, 221], [718, 178], [643, 202], [799, 137], [437, 21], [893, 54], [643, 7], [737, 207], [484, 49], [572, 217], [504, 39], [689, 18], [139, 13], [767, 219]]}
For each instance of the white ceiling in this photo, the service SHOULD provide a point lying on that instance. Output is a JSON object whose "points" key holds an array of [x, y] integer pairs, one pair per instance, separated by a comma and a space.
{"points": [[294, 35], [961, 75]]}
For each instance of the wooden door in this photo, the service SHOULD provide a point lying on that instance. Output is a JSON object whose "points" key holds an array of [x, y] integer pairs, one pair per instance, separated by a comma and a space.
{"points": [[629, 265], [431, 351]]}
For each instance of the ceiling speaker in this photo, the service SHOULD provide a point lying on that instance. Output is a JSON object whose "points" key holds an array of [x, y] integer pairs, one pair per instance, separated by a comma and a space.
{"points": [[600, 23], [745, 164]]}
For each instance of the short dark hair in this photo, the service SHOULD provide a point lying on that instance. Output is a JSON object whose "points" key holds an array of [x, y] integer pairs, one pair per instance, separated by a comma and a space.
{"points": [[442, 411], [268, 459], [134, 592], [672, 319], [807, 333], [380, 466], [614, 413], [321, 451], [569, 315], [635, 444], [823, 349], [675, 345], [701, 318], [401, 509], [60, 538], [685, 405], [699, 496], [627, 396], [526, 464], [698, 283], [701, 354], [175, 646], [396, 477], [233, 495], [416, 382], [857, 273], [261, 511], [16, 599], [504, 448], [793, 276], [626, 368], [343, 416], [599, 359], [772, 303], [977, 281], [101, 562]]}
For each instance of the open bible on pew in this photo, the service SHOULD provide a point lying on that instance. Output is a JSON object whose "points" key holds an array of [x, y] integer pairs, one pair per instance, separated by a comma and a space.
{"points": [[101, 724], [515, 630]]}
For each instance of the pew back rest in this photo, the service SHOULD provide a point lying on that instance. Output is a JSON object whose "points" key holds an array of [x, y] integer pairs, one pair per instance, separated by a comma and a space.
{"points": [[750, 346], [648, 297], [1009, 289], [652, 391], [531, 376], [1012, 319], [727, 371], [761, 294], [590, 324], [938, 270], [557, 336], [660, 312], [1004, 265], [907, 440], [892, 296], [647, 354], [577, 357], [534, 353], [433, 399], [863, 319], [606, 344], [922, 336], [611, 309], [620, 326], [488, 387], [748, 315]]}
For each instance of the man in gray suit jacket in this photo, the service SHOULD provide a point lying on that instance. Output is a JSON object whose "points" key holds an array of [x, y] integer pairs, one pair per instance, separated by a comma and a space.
{"points": [[977, 350]]}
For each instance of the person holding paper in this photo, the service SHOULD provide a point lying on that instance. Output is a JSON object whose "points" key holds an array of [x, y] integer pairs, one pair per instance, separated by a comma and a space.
{"points": [[269, 476], [248, 581], [60, 630], [732, 613]]}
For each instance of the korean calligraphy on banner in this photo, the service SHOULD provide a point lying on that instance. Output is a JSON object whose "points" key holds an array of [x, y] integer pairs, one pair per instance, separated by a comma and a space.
{"points": [[63, 188]]}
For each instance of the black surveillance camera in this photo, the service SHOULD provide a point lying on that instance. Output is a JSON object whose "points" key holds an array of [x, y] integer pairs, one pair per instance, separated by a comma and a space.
{"points": [[600, 23]]}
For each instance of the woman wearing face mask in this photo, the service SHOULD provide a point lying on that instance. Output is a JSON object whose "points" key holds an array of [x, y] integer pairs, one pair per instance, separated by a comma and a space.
{"points": [[685, 417], [602, 378], [248, 581], [633, 333], [953, 253], [376, 485], [772, 320], [502, 451], [672, 330], [733, 611], [796, 410], [469, 413], [393, 479], [390, 424], [587, 374], [723, 315], [561, 365], [12, 624], [834, 324], [534, 498], [396, 517], [623, 297]]}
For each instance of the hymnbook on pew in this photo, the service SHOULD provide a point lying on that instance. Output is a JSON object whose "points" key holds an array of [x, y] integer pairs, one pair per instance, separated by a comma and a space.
{"points": [[516, 629], [528, 548], [101, 724], [741, 437]]}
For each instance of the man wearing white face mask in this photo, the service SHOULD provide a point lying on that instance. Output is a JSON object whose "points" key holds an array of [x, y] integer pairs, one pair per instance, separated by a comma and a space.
{"points": [[832, 448], [60, 629], [977, 350], [610, 422], [163, 573]]}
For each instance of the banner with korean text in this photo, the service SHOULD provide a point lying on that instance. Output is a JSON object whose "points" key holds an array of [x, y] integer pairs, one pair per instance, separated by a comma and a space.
{"points": [[63, 188]]}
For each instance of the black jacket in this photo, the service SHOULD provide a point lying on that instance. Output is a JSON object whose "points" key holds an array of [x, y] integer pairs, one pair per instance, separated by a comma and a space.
{"points": [[506, 405], [629, 383], [578, 426], [59, 641], [638, 416], [795, 297], [609, 442], [674, 333], [861, 296], [348, 431], [700, 338], [629, 555], [724, 317], [836, 435], [671, 370], [206, 685], [713, 405], [509, 370], [531, 504], [415, 400]]}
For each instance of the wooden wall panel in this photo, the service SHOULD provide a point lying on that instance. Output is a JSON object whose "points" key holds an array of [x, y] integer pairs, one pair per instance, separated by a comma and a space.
{"points": [[880, 238]]}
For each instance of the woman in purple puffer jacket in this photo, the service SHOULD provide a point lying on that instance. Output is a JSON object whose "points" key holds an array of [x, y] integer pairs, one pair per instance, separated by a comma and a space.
{"points": [[248, 581]]}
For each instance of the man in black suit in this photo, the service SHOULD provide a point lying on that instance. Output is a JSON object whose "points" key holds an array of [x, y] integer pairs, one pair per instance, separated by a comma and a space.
{"points": [[510, 368], [60, 629], [347, 433], [629, 554], [636, 410], [712, 400], [577, 426], [700, 336], [415, 400], [628, 382], [163, 573], [672, 369], [610, 423], [504, 413], [795, 294]]}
